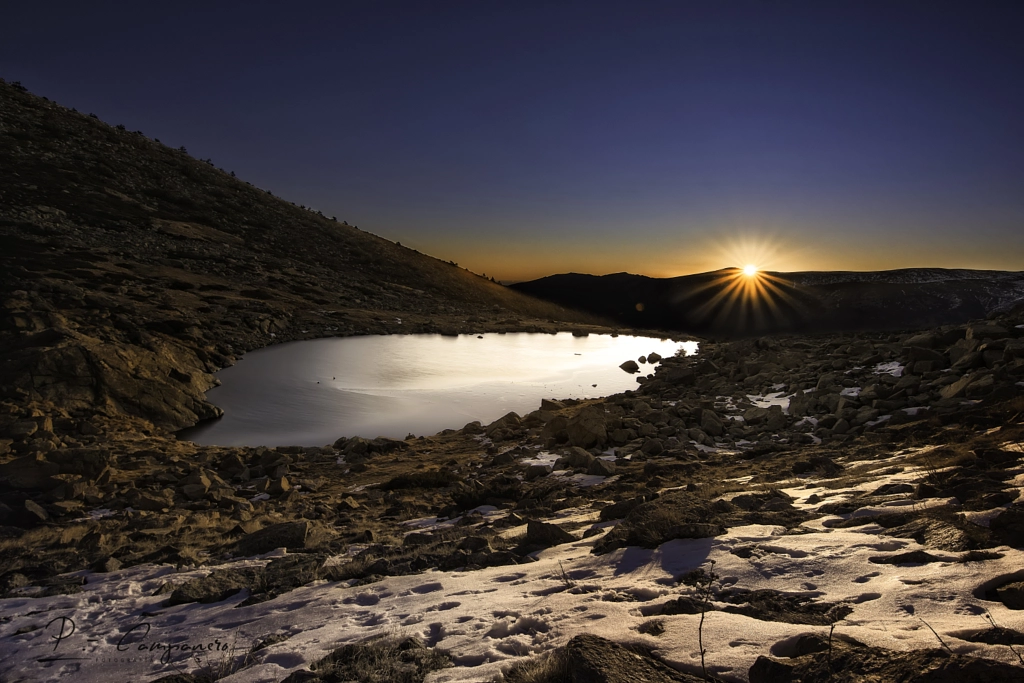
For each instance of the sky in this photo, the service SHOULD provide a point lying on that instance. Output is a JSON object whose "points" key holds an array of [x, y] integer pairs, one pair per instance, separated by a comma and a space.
{"points": [[522, 139]]}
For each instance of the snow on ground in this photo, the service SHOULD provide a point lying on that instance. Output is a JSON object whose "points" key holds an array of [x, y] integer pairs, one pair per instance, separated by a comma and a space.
{"points": [[893, 368], [489, 617], [776, 398]]}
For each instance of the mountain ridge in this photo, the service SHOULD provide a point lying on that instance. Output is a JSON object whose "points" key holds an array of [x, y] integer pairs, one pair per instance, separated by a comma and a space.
{"points": [[823, 301]]}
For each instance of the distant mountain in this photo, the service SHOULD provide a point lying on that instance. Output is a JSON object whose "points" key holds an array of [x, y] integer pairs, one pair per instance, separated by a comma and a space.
{"points": [[726, 302]]}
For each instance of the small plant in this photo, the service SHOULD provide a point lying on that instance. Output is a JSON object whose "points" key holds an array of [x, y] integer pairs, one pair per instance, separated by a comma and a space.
{"points": [[831, 629], [1020, 657], [937, 636], [703, 583], [566, 579], [120, 126]]}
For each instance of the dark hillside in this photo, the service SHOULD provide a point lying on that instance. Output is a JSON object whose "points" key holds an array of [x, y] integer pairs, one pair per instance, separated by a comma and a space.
{"points": [[129, 271]]}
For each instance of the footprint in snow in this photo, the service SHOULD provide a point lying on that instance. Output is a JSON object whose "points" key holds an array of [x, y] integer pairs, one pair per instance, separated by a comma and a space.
{"points": [[427, 588]]}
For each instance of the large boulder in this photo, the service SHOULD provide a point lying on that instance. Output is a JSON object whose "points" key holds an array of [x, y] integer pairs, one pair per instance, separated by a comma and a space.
{"points": [[546, 535], [587, 428], [630, 366], [30, 473], [592, 659], [711, 424], [290, 535]]}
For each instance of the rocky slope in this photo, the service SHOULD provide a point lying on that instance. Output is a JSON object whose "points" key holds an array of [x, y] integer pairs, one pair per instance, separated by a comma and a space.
{"points": [[130, 271], [721, 303], [749, 445]]}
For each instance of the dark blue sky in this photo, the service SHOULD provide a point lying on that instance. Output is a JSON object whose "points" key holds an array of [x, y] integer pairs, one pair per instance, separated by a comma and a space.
{"points": [[521, 139]]}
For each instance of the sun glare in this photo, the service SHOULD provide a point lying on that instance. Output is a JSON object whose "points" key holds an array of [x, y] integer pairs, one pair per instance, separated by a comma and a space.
{"points": [[750, 270]]}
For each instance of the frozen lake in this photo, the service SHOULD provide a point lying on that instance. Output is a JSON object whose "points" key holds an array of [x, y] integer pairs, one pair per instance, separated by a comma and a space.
{"points": [[309, 393]]}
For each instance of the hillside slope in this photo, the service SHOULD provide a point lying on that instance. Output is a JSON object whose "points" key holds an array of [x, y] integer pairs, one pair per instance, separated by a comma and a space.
{"points": [[130, 271], [714, 303]]}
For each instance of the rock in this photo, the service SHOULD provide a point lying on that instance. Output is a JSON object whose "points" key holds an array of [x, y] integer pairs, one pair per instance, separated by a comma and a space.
{"points": [[505, 458], [290, 535], [577, 457], [592, 659], [30, 473], [586, 429], [551, 405], [278, 486], [755, 415], [652, 447], [630, 366], [601, 468], [218, 586], [642, 360], [88, 462], [417, 538], [194, 491], [819, 662], [474, 427], [474, 544], [146, 500], [348, 503], [36, 511], [536, 471], [1011, 595], [986, 331], [969, 385], [556, 429], [677, 376], [925, 340], [22, 429], [710, 423], [653, 357], [546, 535]]}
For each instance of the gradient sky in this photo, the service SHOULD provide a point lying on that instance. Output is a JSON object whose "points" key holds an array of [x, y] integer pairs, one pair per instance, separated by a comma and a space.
{"points": [[522, 139]]}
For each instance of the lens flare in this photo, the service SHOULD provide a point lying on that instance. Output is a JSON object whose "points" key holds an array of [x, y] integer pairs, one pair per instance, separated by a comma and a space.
{"points": [[750, 270]]}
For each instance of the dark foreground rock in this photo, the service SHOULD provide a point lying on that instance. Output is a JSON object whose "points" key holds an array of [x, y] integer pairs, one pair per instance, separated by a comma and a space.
{"points": [[849, 662]]}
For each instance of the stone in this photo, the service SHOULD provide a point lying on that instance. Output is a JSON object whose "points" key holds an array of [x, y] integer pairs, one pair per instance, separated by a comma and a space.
{"points": [[218, 586], [653, 357], [577, 457], [546, 535], [30, 473], [194, 491], [290, 535], [348, 503], [276, 487], [474, 544], [986, 331], [586, 429], [601, 468], [593, 659], [630, 366], [710, 423], [146, 500], [536, 471], [474, 427], [551, 405], [22, 429], [652, 447], [36, 511]]}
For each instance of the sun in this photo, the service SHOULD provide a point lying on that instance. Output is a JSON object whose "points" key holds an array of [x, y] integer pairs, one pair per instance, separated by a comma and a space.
{"points": [[750, 270]]}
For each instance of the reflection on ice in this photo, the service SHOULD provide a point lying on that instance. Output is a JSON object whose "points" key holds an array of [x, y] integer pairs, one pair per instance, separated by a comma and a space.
{"points": [[312, 392]]}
